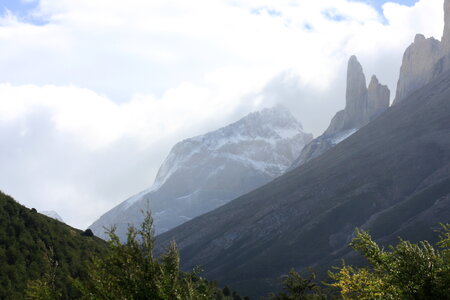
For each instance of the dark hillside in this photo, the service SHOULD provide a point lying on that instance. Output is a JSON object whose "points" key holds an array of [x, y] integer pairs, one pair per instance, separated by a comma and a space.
{"points": [[391, 177], [28, 239]]}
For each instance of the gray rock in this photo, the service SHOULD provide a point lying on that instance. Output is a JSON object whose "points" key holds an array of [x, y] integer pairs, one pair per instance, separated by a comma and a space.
{"points": [[356, 95], [378, 97], [424, 60], [446, 35], [418, 65], [362, 105], [337, 123], [397, 166]]}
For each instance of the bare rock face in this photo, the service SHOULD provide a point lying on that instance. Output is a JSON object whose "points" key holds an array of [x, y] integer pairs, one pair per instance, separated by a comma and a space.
{"points": [[356, 95], [446, 34], [418, 65], [362, 106], [424, 60], [378, 96], [355, 100], [337, 122]]}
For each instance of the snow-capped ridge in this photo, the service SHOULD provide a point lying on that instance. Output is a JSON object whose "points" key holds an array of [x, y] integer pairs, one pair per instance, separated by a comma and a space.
{"points": [[270, 125], [206, 171]]}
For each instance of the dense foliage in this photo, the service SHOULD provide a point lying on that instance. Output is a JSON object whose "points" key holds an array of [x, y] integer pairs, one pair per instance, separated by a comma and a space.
{"points": [[42, 258], [31, 244], [130, 271], [404, 271], [298, 288]]}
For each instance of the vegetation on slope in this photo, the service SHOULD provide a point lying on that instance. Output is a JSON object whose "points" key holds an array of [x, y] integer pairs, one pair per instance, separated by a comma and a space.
{"points": [[30, 245], [131, 272], [42, 258], [405, 271]]}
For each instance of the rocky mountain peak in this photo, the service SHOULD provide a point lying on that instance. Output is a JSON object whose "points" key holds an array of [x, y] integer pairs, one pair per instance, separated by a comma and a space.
{"points": [[373, 82], [424, 60], [419, 38], [446, 35], [362, 105], [358, 111], [378, 97], [206, 171], [356, 83], [52, 214], [356, 94], [263, 123], [273, 125]]}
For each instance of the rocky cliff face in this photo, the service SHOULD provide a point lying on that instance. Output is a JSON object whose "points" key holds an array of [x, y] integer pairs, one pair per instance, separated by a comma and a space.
{"points": [[418, 65], [362, 105], [355, 95], [424, 60], [207, 171], [392, 177], [446, 35], [378, 96]]}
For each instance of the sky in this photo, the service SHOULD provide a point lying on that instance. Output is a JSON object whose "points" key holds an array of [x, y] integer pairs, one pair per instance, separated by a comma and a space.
{"points": [[94, 93]]}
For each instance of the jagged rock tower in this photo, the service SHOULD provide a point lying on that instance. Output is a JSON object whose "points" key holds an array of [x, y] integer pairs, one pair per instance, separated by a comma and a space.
{"points": [[362, 105], [424, 60]]}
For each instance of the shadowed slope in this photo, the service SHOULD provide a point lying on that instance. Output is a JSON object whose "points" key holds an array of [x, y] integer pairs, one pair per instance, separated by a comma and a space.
{"points": [[307, 216]]}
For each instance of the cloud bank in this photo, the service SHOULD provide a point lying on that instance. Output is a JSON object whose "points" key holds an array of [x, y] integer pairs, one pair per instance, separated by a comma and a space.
{"points": [[93, 94]]}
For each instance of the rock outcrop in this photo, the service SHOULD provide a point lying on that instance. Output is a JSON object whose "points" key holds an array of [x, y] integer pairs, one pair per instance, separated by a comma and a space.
{"points": [[424, 60], [418, 65], [355, 95], [391, 178], [378, 96], [362, 105], [446, 35]]}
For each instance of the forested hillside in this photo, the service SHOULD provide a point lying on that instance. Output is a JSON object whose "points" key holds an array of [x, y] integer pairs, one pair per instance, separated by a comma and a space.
{"points": [[32, 244]]}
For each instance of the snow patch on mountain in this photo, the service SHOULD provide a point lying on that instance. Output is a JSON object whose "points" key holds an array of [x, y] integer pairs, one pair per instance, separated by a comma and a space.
{"points": [[207, 171], [52, 214], [341, 136]]}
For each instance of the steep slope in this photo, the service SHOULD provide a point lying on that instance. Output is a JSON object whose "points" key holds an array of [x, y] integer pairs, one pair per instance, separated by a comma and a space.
{"points": [[28, 239], [392, 175], [362, 105], [207, 171]]}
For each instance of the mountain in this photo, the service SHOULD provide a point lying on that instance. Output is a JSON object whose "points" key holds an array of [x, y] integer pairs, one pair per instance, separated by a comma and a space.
{"points": [[391, 177], [52, 214], [29, 241], [424, 60], [205, 172], [363, 104]]}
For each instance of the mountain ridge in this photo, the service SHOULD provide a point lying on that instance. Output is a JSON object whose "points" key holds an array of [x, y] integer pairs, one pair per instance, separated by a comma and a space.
{"points": [[206, 171], [302, 217]]}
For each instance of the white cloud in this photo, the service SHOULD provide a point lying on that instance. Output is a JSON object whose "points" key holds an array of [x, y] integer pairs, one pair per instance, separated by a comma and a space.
{"points": [[92, 101]]}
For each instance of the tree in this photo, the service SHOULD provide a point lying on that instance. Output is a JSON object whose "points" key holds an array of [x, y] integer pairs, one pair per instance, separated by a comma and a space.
{"points": [[130, 271], [406, 271], [226, 291], [87, 232], [45, 288], [298, 288]]}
